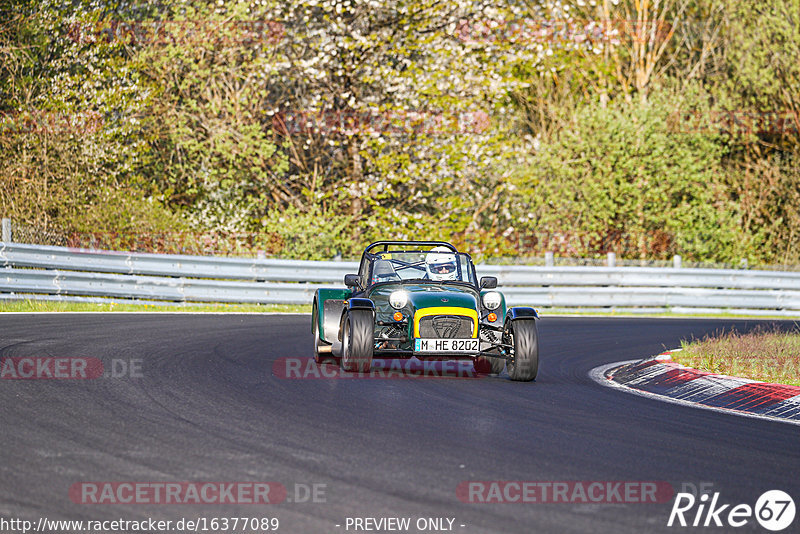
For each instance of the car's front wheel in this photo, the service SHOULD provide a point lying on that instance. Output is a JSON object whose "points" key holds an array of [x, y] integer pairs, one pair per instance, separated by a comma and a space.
{"points": [[357, 341], [523, 335]]}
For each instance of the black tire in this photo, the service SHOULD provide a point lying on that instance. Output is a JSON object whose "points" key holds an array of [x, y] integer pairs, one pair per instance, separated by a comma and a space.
{"points": [[357, 341], [523, 335], [489, 365]]}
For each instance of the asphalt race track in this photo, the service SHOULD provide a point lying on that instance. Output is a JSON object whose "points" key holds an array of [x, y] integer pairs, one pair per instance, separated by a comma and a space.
{"points": [[203, 405]]}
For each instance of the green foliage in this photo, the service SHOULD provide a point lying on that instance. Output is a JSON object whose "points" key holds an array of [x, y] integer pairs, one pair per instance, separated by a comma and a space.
{"points": [[123, 211], [210, 148], [312, 235], [627, 182], [307, 127], [763, 59], [764, 198]]}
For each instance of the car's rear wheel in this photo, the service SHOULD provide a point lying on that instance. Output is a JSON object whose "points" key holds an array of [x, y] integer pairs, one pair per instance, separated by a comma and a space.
{"points": [[357, 341], [523, 335], [320, 354]]}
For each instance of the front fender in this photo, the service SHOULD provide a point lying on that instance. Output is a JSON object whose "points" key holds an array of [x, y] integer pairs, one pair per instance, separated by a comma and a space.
{"points": [[521, 312], [355, 304], [360, 304]]}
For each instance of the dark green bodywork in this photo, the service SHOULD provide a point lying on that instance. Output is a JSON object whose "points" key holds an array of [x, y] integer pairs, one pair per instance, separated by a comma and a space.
{"points": [[322, 295], [420, 295]]}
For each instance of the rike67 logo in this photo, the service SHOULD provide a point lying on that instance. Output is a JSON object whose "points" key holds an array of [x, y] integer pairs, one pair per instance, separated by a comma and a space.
{"points": [[774, 510]]}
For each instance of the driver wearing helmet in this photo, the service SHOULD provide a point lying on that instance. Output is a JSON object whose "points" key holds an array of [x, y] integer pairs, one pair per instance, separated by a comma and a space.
{"points": [[440, 264]]}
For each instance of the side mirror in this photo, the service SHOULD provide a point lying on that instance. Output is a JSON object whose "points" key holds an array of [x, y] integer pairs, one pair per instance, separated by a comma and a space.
{"points": [[351, 280], [488, 282]]}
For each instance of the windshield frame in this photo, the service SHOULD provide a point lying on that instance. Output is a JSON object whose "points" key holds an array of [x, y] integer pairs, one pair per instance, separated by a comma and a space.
{"points": [[465, 269]]}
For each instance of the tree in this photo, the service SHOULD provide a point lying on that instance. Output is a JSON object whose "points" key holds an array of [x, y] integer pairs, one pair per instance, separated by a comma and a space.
{"points": [[627, 183]]}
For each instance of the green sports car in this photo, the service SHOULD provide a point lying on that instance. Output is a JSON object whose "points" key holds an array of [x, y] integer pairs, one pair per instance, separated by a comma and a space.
{"points": [[422, 299]]}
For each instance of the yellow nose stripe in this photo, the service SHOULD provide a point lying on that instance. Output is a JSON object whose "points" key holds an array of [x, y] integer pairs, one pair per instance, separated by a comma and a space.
{"points": [[445, 310]]}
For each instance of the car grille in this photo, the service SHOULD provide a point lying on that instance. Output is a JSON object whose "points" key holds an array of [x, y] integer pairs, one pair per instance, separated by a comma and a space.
{"points": [[446, 326]]}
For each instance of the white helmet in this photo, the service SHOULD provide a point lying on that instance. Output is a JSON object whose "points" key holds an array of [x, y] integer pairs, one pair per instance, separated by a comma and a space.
{"points": [[440, 264]]}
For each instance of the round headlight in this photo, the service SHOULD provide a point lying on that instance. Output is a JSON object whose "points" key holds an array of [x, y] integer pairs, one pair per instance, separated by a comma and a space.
{"points": [[398, 299], [491, 300]]}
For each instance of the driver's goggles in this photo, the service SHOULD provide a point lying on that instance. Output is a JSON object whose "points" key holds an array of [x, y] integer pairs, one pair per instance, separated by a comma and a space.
{"points": [[443, 268]]}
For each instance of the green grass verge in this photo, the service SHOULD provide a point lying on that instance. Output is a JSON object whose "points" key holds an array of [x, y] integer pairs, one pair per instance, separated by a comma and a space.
{"points": [[765, 355], [677, 315], [55, 306]]}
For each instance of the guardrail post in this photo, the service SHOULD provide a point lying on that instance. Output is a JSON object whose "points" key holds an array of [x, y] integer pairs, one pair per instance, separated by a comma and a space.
{"points": [[676, 261], [7, 230], [612, 259], [548, 259]]}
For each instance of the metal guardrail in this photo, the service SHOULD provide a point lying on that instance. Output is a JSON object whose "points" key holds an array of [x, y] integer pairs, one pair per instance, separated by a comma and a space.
{"points": [[44, 257], [32, 271]]}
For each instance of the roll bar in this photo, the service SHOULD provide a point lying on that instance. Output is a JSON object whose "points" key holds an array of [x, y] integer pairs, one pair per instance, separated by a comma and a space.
{"points": [[387, 244]]}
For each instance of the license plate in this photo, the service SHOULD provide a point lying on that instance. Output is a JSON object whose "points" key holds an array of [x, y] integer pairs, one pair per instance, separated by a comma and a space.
{"points": [[446, 345]]}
